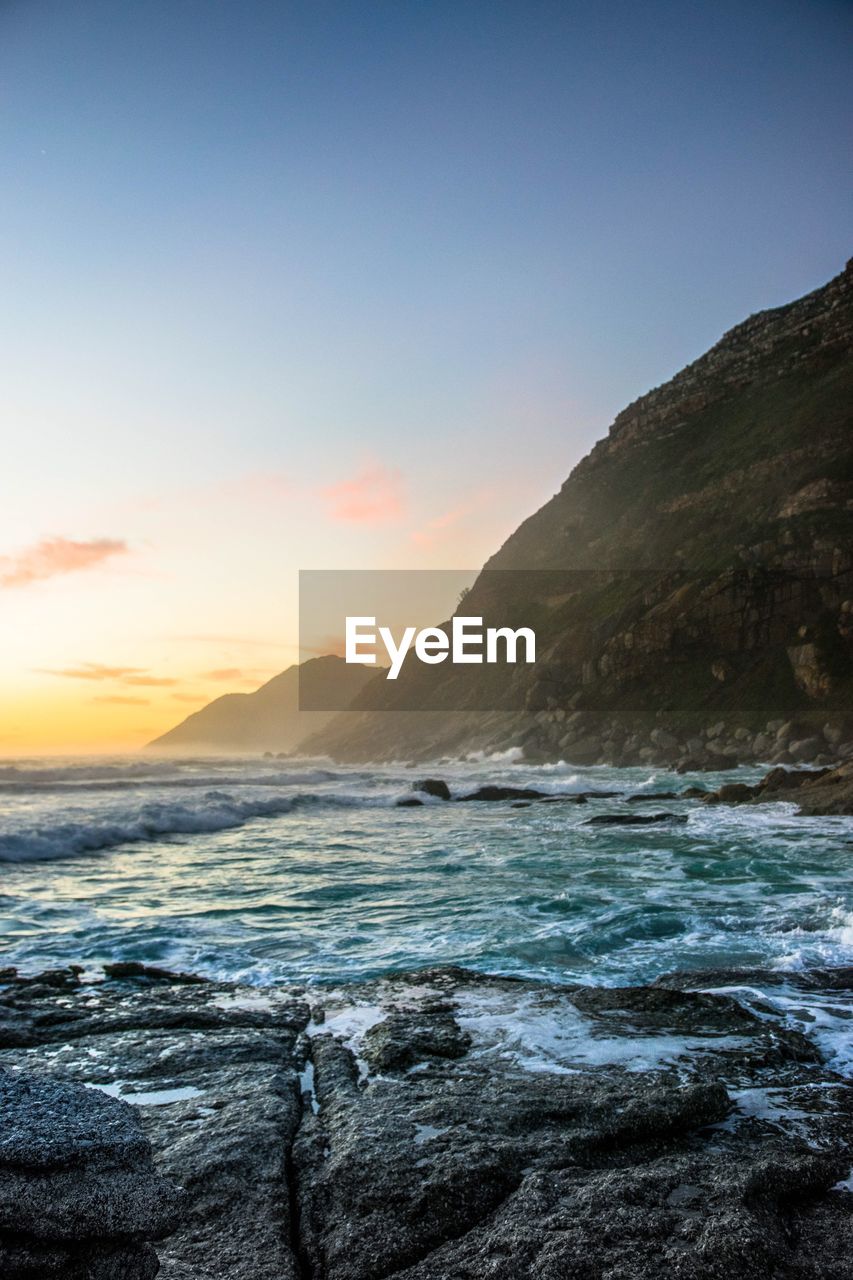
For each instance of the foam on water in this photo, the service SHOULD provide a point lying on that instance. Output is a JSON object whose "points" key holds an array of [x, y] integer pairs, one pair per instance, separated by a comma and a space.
{"points": [[152, 1098], [268, 871], [539, 1034]]}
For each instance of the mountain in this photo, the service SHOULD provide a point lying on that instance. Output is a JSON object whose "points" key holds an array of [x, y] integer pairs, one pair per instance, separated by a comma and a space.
{"points": [[691, 581], [269, 719]]}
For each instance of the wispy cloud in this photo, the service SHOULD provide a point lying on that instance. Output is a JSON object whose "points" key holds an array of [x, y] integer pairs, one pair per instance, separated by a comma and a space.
{"points": [[326, 645], [150, 682], [53, 557], [190, 697], [238, 642], [443, 526], [223, 673], [434, 530], [99, 671], [118, 701], [374, 495], [92, 671]]}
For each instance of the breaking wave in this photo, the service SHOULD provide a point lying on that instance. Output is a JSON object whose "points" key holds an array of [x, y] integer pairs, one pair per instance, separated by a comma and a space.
{"points": [[216, 811]]}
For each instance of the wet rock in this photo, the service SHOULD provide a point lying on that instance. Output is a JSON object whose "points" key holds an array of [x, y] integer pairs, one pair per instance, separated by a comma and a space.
{"points": [[78, 1187], [148, 972], [780, 779], [732, 793], [409, 802], [633, 819], [817, 791], [21, 1260], [492, 793], [403, 1039], [211, 1072], [835, 978], [497, 1164], [450, 1124], [580, 798], [829, 793], [644, 797], [433, 787]]}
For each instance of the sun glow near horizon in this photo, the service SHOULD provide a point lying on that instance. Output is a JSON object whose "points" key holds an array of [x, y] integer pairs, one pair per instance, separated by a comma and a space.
{"points": [[349, 287], [108, 641]]}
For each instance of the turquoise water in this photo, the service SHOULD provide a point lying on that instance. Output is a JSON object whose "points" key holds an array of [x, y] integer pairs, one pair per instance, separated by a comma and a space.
{"points": [[286, 870]]}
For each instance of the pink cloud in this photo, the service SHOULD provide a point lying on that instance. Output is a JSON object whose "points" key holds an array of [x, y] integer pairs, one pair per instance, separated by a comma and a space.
{"points": [[55, 556], [433, 531], [445, 525], [374, 495]]}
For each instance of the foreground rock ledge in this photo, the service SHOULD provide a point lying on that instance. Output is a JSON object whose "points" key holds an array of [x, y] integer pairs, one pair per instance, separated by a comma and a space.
{"points": [[79, 1194], [443, 1124]]}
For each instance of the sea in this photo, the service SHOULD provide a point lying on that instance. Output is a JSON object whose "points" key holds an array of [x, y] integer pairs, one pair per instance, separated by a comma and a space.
{"points": [[264, 871]]}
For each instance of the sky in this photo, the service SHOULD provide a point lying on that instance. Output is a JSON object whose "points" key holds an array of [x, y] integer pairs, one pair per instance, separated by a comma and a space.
{"points": [[322, 285]]}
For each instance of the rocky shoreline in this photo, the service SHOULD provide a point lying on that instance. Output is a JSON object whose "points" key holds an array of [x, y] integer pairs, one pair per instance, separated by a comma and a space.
{"points": [[430, 1125], [577, 736], [816, 792]]}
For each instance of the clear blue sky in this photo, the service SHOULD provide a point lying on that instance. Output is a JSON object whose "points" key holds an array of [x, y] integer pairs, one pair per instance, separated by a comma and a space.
{"points": [[427, 250]]}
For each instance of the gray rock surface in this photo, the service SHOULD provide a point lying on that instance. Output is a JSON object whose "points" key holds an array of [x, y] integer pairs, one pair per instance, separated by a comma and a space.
{"points": [[443, 1125], [79, 1193]]}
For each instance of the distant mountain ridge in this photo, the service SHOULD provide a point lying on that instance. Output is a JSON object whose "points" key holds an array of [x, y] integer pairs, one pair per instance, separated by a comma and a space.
{"points": [[710, 535], [269, 719]]}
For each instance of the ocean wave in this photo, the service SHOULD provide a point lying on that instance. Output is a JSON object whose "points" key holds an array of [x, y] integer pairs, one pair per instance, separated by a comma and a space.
{"points": [[41, 781], [219, 812], [35, 772]]}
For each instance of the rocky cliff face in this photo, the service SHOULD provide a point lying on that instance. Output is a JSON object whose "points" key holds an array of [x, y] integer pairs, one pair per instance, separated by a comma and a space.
{"points": [[691, 584]]}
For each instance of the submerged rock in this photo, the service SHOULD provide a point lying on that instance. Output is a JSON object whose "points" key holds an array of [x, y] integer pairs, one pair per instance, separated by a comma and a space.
{"points": [[645, 797], [491, 793], [633, 819]]}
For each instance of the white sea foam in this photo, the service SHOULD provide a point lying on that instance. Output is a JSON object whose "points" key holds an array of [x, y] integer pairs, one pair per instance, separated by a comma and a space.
{"points": [[511, 756], [213, 811], [317, 877], [148, 822], [541, 1033], [842, 932]]}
